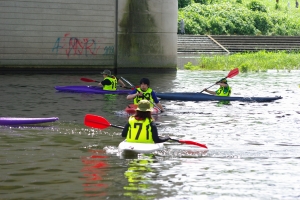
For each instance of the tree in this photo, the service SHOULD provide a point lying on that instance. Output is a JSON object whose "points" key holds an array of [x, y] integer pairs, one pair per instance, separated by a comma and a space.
{"points": [[184, 3]]}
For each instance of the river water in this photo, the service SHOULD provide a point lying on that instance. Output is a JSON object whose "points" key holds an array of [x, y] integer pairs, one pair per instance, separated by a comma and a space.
{"points": [[253, 148]]}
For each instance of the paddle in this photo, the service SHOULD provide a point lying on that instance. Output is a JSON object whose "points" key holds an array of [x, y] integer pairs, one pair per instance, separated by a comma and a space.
{"points": [[143, 95], [231, 74], [129, 83], [100, 122], [91, 80]]}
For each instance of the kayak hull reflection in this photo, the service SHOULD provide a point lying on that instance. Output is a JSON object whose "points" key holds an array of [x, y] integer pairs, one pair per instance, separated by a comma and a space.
{"points": [[185, 96]]}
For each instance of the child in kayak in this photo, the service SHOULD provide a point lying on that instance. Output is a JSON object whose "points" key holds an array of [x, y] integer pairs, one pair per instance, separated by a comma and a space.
{"points": [[141, 127], [145, 92], [110, 81], [224, 89]]}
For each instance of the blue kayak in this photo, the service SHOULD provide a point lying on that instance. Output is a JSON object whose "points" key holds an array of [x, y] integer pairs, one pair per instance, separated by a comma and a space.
{"points": [[186, 96], [25, 120], [89, 89]]}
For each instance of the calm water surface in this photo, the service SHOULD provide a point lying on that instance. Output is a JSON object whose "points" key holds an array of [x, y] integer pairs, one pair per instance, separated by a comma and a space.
{"points": [[254, 148]]}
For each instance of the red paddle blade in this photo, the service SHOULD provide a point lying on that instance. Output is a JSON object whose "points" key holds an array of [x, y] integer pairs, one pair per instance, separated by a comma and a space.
{"points": [[233, 73], [95, 121], [193, 143], [87, 80]]}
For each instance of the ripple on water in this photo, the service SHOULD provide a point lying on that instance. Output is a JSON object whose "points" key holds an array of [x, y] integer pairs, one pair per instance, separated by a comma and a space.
{"points": [[253, 148]]}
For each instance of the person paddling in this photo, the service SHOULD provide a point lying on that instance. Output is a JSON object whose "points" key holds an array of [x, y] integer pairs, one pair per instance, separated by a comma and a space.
{"points": [[110, 81], [141, 127], [224, 89], [145, 92]]}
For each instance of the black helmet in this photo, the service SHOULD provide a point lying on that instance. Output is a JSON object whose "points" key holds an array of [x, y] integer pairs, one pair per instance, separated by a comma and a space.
{"points": [[145, 81], [224, 80]]}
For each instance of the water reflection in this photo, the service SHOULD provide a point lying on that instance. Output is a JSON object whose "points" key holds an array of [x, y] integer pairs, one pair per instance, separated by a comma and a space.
{"points": [[94, 170], [110, 102], [139, 174], [253, 147]]}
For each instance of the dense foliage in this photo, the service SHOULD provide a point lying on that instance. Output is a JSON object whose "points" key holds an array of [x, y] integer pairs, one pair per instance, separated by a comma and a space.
{"points": [[184, 3], [238, 17]]}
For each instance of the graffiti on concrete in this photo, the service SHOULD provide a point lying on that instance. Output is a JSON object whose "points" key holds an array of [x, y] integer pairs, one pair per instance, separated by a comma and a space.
{"points": [[73, 46], [109, 50]]}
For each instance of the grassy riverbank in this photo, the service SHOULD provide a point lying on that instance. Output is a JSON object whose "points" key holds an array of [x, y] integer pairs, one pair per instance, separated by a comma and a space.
{"points": [[246, 62]]}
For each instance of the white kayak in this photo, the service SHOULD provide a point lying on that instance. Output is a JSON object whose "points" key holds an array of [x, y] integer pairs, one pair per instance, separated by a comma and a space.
{"points": [[132, 147]]}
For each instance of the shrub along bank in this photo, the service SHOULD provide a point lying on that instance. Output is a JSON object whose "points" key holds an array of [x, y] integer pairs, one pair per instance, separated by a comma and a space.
{"points": [[237, 17]]}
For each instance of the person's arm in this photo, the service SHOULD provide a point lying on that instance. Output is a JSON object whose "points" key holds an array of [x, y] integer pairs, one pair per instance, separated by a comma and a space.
{"points": [[105, 82], [160, 107], [125, 130], [209, 91], [133, 94], [154, 97], [155, 136], [217, 83], [121, 82]]}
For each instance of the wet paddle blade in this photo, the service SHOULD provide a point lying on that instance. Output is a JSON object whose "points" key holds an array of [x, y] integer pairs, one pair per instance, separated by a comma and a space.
{"points": [[87, 80], [95, 121], [233, 73], [99, 122], [190, 142], [193, 143]]}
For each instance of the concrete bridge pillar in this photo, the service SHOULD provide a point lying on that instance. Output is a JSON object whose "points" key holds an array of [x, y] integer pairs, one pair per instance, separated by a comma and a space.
{"points": [[146, 35]]}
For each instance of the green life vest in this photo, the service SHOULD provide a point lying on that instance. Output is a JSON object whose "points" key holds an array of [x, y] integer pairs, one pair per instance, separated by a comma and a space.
{"points": [[139, 131], [224, 91], [146, 95], [113, 85]]}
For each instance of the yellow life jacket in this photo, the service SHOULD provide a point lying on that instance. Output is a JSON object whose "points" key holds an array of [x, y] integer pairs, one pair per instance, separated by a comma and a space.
{"points": [[224, 91], [139, 131], [113, 85], [146, 95]]}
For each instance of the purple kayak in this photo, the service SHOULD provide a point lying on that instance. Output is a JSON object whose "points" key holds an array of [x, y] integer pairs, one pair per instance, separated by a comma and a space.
{"points": [[25, 120], [89, 89]]}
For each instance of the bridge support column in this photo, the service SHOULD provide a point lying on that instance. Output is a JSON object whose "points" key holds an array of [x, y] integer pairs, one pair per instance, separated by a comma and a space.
{"points": [[146, 35]]}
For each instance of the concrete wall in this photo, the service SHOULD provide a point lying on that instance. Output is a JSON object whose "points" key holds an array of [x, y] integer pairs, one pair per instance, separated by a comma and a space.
{"points": [[57, 33], [147, 35], [81, 35]]}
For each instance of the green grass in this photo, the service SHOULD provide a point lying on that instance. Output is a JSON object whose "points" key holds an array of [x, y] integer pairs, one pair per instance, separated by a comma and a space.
{"points": [[249, 62]]}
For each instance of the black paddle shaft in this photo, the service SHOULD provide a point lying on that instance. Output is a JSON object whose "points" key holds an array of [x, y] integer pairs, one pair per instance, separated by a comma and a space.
{"points": [[120, 127]]}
